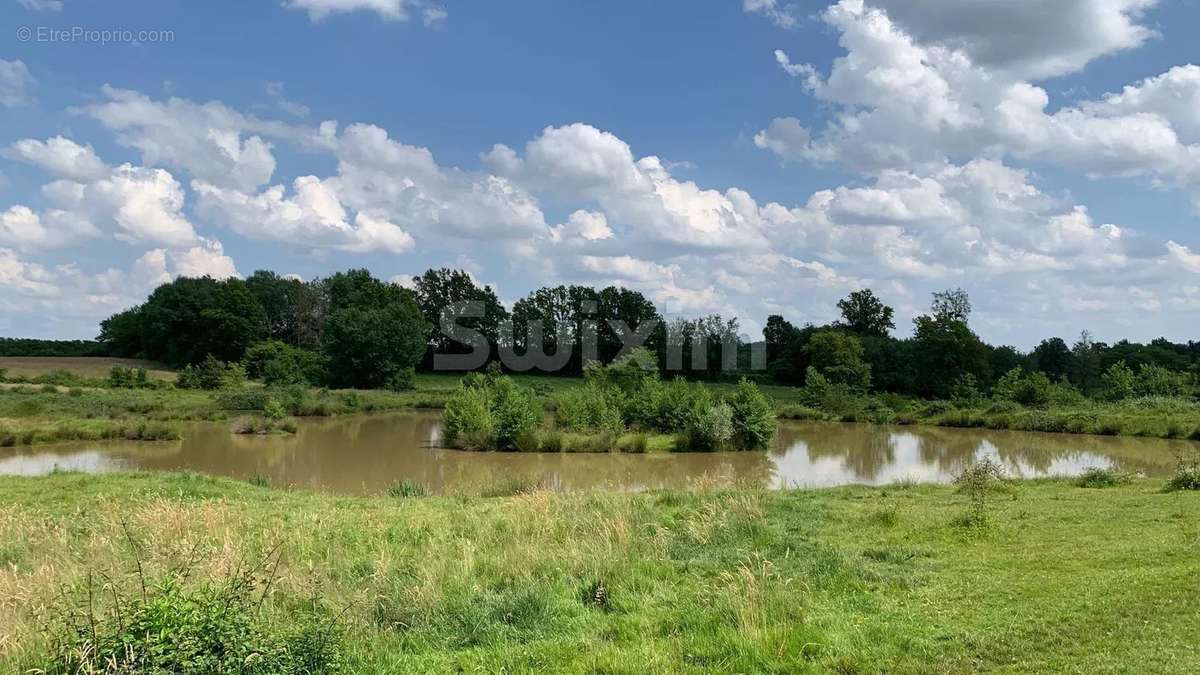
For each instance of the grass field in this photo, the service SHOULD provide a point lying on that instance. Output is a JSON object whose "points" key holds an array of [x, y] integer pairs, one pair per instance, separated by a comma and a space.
{"points": [[1058, 579], [85, 366]]}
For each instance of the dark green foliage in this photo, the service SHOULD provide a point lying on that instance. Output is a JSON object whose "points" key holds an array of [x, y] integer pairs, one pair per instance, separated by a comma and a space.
{"points": [[402, 380], [374, 330], [1054, 358], [33, 347], [864, 314], [211, 374], [277, 363], [438, 291], [838, 357], [945, 349]]}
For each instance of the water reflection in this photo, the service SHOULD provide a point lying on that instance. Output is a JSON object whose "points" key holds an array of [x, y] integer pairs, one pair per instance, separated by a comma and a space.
{"points": [[366, 454]]}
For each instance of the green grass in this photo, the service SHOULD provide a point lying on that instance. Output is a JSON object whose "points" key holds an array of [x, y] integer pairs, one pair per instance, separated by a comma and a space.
{"points": [[1061, 579]]}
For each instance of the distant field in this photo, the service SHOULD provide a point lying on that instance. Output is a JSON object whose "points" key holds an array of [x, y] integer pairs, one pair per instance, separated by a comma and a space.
{"points": [[87, 366]]}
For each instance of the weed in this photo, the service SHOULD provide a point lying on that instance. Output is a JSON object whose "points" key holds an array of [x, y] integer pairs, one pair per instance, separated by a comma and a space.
{"points": [[1100, 477], [407, 488]]}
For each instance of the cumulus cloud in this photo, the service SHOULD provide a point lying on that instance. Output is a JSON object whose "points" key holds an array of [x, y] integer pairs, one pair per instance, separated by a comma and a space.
{"points": [[581, 162], [211, 141], [904, 104], [61, 157], [312, 217], [392, 10], [15, 82]]}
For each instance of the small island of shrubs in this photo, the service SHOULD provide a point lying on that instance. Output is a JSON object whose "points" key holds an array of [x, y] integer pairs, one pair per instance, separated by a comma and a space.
{"points": [[623, 406]]}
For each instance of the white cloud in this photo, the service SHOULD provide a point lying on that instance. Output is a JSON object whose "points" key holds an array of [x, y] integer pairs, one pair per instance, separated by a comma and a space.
{"points": [[25, 229], [42, 5], [210, 141], [901, 104], [392, 10], [313, 217], [207, 259], [15, 82], [779, 14], [61, 157], [580, 162]]}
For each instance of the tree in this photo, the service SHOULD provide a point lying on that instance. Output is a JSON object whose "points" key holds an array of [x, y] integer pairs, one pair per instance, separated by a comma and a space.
{"points": [[187, 319], [121, 333], [440, 293], [864, 314], [280, 298], [1087, 357], [953, 303], [1052, 357], [374, 332], [632, 310], [838, 357], [945, 350]]}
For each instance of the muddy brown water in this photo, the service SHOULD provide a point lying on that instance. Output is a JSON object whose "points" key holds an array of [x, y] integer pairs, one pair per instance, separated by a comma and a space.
{"points": [[365, 454]]}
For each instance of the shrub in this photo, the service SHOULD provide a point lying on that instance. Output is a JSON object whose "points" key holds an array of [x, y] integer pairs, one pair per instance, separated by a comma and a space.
{"points": [[979, 482], [278, 363], [242, 399], [211, 374], [587, 407], [403, 379], [1187, 473], [712, 428], [753, 416], [489, 412], [1118, 382], [965, 390], [1158, 381], [127, 378], [675, 406]]}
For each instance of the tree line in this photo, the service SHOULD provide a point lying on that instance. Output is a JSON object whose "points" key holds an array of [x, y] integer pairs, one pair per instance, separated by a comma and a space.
{"points": [[352, 329]]}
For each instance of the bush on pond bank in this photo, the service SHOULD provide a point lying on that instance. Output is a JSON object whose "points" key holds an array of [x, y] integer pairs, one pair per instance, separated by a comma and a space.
{"points": [[622, 406]]}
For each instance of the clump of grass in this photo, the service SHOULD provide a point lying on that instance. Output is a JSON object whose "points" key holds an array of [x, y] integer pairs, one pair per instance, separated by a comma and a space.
{"points": [[1101, 477], [259, 480], [979, 482], [886, 516], [406, 488], [512, 485], [165, 626]]}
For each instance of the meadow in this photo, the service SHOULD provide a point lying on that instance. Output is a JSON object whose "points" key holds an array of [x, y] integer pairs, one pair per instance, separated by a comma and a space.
{"points": [[1041, 576]]}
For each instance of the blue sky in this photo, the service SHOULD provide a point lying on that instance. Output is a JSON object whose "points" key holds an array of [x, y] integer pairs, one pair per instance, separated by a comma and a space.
{"points": [[745, 157]]}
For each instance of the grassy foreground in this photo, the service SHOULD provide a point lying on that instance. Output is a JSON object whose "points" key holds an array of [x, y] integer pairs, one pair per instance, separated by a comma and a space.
{"points": [[1060, 578]]}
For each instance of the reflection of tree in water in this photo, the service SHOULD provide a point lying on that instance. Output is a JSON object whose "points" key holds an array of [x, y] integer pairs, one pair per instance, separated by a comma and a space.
{"points": [[868, 452], [864, 450]]}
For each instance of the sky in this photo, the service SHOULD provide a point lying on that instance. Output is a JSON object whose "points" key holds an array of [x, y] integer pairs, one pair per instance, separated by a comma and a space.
{"points": [[742, 157]]}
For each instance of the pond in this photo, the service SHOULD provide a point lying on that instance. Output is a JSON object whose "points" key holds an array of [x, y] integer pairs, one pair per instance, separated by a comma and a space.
{"points": [[365, 454]]}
